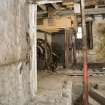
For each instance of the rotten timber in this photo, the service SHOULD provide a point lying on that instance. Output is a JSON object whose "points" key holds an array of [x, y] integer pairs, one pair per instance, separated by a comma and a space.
{"points": [[92, 101], [48, 1], [95, 11], [97, 95], [43, 7], [92, 11], [66, 49], [46, 56], [33, 41]]}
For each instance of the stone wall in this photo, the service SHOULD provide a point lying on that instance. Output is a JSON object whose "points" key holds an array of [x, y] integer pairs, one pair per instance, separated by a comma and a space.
{"points": [[14, 70], [14, 84], [13, 23], [93, 56]]}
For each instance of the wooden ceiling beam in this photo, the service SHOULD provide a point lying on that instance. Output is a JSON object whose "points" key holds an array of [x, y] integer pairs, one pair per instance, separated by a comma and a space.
{"points": [[48, 1], [55, 6], [92, 11], [43, 7], [95, 11]]}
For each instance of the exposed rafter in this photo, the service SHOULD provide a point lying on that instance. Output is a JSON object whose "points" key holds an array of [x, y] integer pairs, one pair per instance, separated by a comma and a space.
{"points": [[95, 11], [48, 1], [55, 6], [43, 7]]}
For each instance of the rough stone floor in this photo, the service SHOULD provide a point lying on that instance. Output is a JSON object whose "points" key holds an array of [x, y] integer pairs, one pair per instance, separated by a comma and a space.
{"points": [[62, 89]]}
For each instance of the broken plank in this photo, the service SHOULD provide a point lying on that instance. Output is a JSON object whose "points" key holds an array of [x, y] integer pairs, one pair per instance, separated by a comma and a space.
{"points": [[97, 95]]}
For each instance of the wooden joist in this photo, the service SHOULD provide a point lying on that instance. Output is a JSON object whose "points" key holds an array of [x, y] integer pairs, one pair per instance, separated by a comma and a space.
{"points": [[55, 6], [48, 2], [90, 2], [95, 11], [58, 23], [92, 11], [43, 7]]}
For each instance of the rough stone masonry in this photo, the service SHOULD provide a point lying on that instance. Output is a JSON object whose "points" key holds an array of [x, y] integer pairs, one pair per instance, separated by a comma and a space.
{"points": [[14, 68]]}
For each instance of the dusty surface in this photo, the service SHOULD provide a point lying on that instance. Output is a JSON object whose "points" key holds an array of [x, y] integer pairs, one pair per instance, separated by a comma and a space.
{"points": [[14, 25], [50, 88], [14, 86], [54, 89]]}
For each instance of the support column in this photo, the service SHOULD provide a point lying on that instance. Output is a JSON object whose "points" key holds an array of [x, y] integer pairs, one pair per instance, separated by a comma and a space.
{"points": [[74, 48], [46, 56], [66, 49], [33, 41], [85, 65]]}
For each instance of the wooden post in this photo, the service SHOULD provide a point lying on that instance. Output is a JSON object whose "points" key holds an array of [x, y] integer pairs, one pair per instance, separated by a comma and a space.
{"points": [[33, 41], [74, 49], [66, 49], [46, 56], [85, 65]]}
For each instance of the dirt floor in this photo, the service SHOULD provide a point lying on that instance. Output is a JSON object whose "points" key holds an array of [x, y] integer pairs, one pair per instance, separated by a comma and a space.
{"points": [[62, 88]]}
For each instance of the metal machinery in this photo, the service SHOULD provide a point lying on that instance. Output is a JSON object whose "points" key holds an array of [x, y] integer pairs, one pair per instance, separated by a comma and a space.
{"points": [[49, 62], [63, 44]]}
